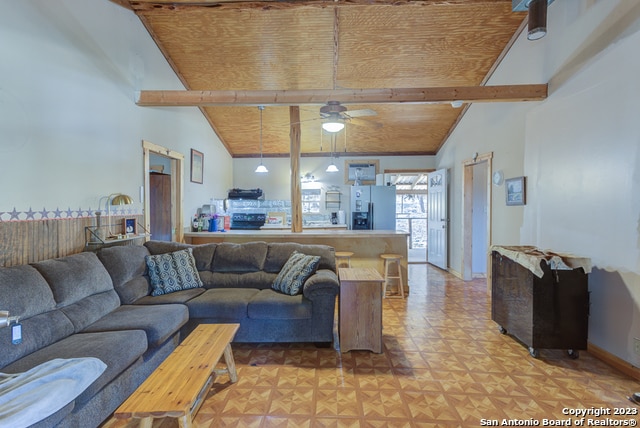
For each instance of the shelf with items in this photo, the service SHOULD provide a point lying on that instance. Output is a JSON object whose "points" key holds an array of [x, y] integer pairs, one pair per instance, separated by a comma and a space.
{"points": [[96, 236], [332, 199]]}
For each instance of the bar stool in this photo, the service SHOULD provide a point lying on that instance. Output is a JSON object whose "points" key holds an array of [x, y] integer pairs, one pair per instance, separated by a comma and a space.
{"points": [[343, 257], [391, 259]]}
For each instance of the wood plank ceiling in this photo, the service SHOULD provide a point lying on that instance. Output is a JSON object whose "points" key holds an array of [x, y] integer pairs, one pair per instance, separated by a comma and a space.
{"points": [[319, 45]]}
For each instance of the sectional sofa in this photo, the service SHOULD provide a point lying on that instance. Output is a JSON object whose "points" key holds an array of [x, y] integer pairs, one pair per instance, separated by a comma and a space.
{"points": [[104, 305]]}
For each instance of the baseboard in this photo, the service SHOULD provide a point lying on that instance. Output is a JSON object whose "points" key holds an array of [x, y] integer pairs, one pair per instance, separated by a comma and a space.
{"points": [[479, 276], [615, 362], [454, 273]]}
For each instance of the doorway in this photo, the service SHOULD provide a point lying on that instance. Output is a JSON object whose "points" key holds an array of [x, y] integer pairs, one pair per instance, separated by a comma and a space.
{"points": [[476, 208], [170, 179], [411, 209]]}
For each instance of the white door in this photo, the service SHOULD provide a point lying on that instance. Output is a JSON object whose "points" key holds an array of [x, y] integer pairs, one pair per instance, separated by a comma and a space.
{"points": [[438, 219]]}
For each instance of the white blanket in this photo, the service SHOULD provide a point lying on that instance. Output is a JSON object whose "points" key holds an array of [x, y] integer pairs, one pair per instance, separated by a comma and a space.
{"points": [[29, 397], [530, 257]]}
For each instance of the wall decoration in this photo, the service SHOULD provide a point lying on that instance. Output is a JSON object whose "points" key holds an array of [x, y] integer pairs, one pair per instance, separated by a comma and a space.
{"points": [[197, 166], [130, 226], [515, 189]]}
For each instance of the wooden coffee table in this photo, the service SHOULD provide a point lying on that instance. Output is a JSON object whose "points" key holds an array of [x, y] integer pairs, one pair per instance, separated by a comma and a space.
{"points": [[360, 309], [178, 386]]}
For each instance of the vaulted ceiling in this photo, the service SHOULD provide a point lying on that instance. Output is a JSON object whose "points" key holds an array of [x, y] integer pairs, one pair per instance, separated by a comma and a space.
{"points": [[406, 60]]}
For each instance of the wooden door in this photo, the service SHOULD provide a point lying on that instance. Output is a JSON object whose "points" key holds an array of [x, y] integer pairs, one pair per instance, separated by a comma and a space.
{"points": [[160, 206], [438, 218]]}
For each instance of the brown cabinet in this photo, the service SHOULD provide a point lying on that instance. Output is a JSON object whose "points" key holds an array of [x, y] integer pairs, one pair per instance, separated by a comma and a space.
{"points": [[551, 311], [360, 309]]}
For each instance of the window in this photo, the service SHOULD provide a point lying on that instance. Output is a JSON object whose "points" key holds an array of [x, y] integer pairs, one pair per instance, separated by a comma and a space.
{"points": [[311, 200]]}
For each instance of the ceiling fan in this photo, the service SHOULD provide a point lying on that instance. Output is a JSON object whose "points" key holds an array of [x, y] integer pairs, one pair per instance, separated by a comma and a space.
{"points": [[335, 115]]}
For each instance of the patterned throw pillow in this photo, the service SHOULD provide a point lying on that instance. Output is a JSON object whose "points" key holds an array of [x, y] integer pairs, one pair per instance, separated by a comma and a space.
{"points": [[173, 272], [295, 272]]}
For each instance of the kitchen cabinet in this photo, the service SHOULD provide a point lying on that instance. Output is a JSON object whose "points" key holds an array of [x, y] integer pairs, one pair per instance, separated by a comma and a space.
{"points": [[547, 311]]}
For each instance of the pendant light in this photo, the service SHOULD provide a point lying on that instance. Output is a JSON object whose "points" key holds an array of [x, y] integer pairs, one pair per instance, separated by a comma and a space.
{"points": [[261, 168], [332, 167], [537, 24]]}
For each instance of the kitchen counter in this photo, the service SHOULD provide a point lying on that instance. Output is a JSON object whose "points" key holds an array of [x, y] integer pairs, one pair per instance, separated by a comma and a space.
{"points": [[314, 227], [307, 232], [367, 245]]}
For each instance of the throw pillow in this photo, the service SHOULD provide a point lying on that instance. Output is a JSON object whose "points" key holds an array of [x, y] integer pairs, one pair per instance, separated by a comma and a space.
{"points": [[295, 272], [172, 272]]}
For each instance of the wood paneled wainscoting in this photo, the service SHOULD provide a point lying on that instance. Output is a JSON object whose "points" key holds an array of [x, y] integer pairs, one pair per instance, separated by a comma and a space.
{"points": [[28, 241]]}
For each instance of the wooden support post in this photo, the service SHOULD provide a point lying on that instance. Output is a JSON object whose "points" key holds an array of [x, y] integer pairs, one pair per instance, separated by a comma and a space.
{"points": [[296, 193]]}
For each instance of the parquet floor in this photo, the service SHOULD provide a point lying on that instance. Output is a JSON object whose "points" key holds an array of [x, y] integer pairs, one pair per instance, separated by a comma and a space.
{"points": [[444, 365]]}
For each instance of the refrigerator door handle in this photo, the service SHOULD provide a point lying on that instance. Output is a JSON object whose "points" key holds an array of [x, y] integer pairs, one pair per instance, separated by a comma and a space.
{"points": [[370, 215]]}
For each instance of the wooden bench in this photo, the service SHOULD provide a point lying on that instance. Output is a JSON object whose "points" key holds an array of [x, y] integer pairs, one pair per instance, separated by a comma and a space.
{"points": [[178, 386]]}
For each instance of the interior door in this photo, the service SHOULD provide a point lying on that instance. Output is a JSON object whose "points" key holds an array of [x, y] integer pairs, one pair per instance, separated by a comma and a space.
{"points": [[438, 219], [160, 206]]}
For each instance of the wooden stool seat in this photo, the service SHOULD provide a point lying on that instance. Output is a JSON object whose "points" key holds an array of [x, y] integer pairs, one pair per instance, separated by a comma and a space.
{"points": [[389, 260], [343, 257]]}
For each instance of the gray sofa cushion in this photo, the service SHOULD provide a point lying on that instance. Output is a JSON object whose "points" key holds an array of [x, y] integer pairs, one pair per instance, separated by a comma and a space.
{"points": [[238, 280], [159, 322], [247, 257], [127, 269], [270, 304], [38, 331], [91, 309], [165, 299], [75, 277], [117, 349], [24, 292], [202, 253], [81, 287], [279, 253], [223, 304]]}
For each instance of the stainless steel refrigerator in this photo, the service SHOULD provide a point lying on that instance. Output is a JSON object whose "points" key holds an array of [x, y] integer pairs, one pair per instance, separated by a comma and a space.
{"points": [[373, 207]]}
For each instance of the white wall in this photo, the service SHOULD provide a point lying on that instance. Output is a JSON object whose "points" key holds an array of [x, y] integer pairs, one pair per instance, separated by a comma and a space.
{"points": [[277, 183], [70, 131], [579, 150]]}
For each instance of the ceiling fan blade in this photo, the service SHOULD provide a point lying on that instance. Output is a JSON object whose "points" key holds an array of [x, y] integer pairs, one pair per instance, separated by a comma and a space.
{"points": [[302, 121], [365, 122], [360, 113]]}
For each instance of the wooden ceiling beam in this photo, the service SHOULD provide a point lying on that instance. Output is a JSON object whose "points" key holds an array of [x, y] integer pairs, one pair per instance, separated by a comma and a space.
{"points": [[436, 95], [150, 5]]}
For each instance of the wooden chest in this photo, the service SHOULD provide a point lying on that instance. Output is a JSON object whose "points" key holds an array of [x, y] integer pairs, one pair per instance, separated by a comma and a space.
{"points": [[549, 312]]}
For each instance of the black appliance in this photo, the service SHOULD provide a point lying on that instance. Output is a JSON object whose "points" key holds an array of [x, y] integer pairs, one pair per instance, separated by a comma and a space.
{"points": [[247, 221], [245, 194], [360, 221]]}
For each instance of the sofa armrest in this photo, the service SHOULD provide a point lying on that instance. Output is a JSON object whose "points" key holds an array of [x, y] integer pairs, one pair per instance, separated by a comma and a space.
{"points": [[322, 283]]}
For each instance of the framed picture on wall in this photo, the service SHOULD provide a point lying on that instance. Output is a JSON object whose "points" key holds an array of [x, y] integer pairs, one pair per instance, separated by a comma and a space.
{"points": [[197, 166], [130, 226], [515, 189]]}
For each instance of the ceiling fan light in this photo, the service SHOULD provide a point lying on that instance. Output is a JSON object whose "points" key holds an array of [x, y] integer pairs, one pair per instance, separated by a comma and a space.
{"points": [[261, 168], [332, 168], [333, 126]]}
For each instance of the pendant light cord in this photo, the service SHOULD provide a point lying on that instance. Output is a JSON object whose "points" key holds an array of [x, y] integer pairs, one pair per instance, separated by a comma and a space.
{"points": [[261, 108]]}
